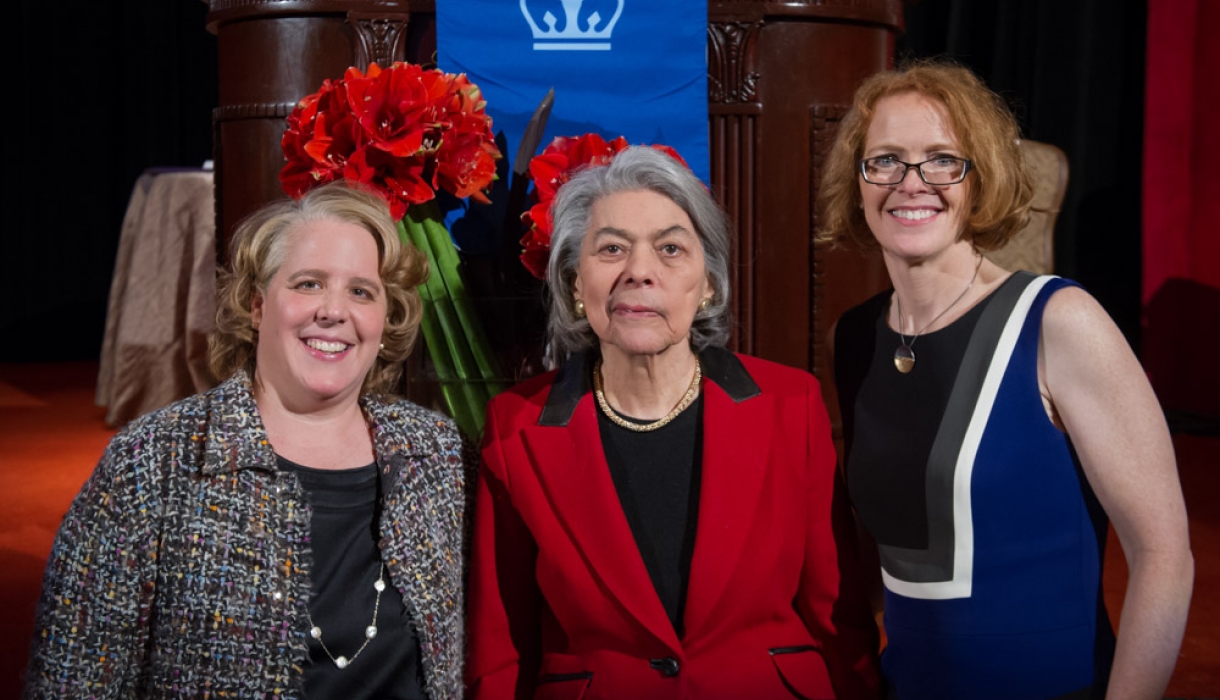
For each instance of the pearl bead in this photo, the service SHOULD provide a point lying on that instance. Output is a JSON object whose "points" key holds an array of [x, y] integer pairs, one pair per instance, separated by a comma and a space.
{"points": [[379, 585], [370, 631], [341, 661], [315, 632]]}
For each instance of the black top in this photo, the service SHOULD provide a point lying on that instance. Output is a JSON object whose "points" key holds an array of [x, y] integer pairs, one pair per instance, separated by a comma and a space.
{"points": [[886, 474], [346, 563], [657, 476]]}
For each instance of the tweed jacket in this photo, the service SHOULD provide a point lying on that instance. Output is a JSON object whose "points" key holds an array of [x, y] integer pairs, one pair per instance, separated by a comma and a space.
{"points": [[182, 569]]}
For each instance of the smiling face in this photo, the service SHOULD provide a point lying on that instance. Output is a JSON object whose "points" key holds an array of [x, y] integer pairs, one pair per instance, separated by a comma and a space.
{"points": [[641, 274], [320, 319], [912, 220]]}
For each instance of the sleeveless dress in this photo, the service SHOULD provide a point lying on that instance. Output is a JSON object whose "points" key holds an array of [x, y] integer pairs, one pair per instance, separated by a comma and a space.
{"points": [[991, 541]]}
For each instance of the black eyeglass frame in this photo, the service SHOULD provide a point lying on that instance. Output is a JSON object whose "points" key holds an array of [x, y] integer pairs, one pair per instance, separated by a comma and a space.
{"points": [[966, 165]]}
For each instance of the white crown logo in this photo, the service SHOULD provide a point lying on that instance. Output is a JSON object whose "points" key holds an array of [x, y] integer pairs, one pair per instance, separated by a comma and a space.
{"points": [[594, 37]]}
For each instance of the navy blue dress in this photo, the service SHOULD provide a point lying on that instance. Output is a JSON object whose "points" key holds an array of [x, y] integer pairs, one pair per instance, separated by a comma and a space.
{"points": [[991, 541]]}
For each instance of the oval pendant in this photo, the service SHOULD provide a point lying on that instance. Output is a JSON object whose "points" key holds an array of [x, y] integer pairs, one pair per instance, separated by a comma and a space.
{"points": [[904, 358]]}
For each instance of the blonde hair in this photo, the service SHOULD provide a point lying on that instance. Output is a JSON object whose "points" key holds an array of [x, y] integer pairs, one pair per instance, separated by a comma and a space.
{"points": [[986, 130], [258, 249]]}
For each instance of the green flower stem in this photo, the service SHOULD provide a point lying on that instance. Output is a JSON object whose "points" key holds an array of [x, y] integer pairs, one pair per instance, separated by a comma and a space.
{"points": [[473, 394], [450, 273]]}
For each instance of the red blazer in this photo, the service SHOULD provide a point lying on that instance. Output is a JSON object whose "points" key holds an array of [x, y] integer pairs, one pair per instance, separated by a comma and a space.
{"points": [[560, 601]]}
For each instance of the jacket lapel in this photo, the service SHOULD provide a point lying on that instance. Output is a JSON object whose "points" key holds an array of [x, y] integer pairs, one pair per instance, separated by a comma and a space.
{"points": [[736, 451], [235, 437], [571, 466]]}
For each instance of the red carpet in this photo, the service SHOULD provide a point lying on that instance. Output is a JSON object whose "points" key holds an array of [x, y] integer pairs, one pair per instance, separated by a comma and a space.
{"points": [[51, 435]]}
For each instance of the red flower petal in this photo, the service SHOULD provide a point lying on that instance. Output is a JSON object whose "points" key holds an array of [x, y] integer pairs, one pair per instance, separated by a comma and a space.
{"points": [[535, 260], [402, 130], [562, 158]]}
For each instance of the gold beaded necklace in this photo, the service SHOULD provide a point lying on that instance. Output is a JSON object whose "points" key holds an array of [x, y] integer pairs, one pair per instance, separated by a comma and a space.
{"points": [[687, 399]]}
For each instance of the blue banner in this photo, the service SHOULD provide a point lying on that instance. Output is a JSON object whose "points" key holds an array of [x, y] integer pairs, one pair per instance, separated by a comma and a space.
{"points": [[618, 68]]}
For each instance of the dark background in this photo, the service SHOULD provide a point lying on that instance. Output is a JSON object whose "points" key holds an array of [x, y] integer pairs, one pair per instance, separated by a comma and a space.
{"points": [[1073, 71], [114, 88], [103, 90]]}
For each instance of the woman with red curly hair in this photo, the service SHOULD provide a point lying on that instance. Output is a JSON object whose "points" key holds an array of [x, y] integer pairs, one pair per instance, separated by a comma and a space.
{"points": [[993, 420]]}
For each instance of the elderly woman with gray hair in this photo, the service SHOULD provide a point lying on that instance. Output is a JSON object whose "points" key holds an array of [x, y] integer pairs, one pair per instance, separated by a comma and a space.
{"points": [[659, 518]]}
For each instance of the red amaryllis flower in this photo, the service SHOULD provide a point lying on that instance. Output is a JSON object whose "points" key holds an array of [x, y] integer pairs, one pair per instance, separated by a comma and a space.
{"points": [[560, 160], [549, 170], [400, 180], [536, 249], [466, 158], [404, 131], [320, 137], [398, 108]]}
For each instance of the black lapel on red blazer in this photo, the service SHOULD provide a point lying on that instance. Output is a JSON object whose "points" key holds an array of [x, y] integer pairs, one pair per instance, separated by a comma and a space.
{"points": [[571, 467]]}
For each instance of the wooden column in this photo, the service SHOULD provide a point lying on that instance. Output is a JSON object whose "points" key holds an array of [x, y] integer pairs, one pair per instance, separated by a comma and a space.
{"points": [[274, 52], [780, 77]]}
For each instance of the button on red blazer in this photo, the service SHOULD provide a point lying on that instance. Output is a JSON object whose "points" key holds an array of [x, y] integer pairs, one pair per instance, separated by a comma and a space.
{"points": [[560, 602]]}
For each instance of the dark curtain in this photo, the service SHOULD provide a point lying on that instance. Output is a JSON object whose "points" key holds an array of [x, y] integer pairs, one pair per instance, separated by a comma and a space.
{"points": [[1181, 208], [100, 91], [1073, 71]]}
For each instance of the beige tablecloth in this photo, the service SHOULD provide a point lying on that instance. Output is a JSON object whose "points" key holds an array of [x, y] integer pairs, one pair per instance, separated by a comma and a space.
{"points": [[162, 297]]}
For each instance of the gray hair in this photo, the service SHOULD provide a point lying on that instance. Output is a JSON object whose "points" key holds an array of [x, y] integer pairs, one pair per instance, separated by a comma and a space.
{"points": [[635, 168]]}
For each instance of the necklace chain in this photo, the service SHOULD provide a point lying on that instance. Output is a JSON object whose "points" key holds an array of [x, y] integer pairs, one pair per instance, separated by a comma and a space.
{"points": [[342, 661], [687, 399], [904, 355]]}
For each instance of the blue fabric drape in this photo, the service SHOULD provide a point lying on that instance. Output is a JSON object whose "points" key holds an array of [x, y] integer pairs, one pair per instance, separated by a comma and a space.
{"points": [[618, 67]]}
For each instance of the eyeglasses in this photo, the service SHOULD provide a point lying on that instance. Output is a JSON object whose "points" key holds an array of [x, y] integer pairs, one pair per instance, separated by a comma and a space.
{"points": [[888, 170]]}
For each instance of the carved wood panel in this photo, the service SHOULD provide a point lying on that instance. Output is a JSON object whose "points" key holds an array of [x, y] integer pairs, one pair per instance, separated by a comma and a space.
{"points": [[823, 125], [734, 165], [734, 131], [381, 38], [732, 72]]}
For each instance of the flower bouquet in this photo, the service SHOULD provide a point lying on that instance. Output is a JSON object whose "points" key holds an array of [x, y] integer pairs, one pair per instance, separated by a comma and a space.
{"points": [[550, 169], [408, 132]]}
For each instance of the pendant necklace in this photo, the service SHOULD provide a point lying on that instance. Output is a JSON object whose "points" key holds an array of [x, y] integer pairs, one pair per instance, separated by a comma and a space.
{"points": [[342, 661], [904, 356]]}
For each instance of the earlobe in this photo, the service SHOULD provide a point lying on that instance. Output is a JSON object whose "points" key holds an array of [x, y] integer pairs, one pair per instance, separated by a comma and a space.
{"points": [[256, 311]]}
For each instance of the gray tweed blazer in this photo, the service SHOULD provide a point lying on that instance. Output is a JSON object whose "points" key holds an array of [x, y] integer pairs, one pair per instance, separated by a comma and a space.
{"points": [[181, 570]]}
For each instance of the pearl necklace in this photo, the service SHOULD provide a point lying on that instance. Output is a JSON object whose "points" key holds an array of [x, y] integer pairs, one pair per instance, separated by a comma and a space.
{"points": [[687, 399], [904, 355], [342, 661]]}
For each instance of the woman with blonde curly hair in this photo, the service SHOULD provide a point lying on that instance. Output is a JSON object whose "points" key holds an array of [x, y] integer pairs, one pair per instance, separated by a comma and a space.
{"points": [[993, 420], [294, 532]]}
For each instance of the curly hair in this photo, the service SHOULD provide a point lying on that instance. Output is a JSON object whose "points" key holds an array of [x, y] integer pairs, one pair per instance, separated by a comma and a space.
{"points": [[258, 249], [634, 169], [986, 130]]}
